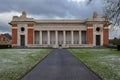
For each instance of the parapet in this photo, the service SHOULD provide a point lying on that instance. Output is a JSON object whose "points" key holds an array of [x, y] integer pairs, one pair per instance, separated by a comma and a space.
{"points": [[23, 17]]}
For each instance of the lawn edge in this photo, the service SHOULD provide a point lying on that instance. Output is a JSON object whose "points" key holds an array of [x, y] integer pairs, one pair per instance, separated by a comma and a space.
{"points": [[86, 65], [34, 66]]}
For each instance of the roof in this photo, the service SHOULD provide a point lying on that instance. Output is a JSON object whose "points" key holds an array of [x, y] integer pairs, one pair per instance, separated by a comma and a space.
{"points": [[59, 21]]}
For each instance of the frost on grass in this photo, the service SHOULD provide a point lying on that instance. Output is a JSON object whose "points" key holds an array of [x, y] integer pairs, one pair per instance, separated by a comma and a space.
{"points": [[113, 62], [15, 62], [105, 62], [112, 57]]}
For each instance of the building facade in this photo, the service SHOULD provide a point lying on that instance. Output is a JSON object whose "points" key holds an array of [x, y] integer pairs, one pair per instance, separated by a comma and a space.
{"points": [[4, 39], [59, 33]]}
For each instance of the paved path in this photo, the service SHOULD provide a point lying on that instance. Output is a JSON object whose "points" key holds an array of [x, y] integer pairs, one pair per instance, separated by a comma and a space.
{"points": [[60, 65]]}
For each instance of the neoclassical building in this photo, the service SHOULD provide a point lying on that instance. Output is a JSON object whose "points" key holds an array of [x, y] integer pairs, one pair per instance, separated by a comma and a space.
{"points": [[30, 32]]}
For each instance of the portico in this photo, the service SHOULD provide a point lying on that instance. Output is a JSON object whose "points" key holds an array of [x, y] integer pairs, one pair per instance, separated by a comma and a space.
{"points": [[58, 38]]}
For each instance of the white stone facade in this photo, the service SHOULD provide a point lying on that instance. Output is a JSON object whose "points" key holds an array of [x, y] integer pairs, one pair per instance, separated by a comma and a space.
{"points": [[59, 33]]}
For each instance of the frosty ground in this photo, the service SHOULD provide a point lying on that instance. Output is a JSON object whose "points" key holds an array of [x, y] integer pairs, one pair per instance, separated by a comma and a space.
{"points": [[16, 62], [104, 62]]}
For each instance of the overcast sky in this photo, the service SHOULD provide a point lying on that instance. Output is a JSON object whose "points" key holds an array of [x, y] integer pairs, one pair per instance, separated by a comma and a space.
{"points": [[48, 9]]}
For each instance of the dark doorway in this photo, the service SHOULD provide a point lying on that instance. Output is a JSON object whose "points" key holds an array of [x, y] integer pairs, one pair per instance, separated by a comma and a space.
{"points": [[22, 40], [97, 40], [83, 34]]}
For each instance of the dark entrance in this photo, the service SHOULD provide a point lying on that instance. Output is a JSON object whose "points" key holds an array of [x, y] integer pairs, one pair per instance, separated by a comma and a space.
{"points": [[22, 40], [97, 40], [83, 37]]}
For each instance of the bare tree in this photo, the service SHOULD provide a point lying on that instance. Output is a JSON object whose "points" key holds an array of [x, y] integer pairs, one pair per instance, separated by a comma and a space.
{"points": [[111, 10]]}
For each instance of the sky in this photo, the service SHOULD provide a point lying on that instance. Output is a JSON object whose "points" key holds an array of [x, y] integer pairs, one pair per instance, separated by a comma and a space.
{"points": [[49, 9]]}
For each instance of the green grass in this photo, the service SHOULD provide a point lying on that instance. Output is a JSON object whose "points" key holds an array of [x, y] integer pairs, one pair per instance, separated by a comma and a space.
{"points": [[104, 62], [16, 62]]}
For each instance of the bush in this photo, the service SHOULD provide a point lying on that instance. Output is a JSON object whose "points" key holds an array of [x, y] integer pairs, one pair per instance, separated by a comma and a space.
{"points": [[115, 41], [118, 47], [5, 46]]}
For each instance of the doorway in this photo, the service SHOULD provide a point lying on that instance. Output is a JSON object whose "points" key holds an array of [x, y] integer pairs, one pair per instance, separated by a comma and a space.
{"points": [[98, 40], [83, 35], [22, 40]]}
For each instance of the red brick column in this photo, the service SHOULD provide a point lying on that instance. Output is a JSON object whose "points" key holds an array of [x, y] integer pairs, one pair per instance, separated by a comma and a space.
{"points": [[105, 36], [14, 33], [90, 34], [14, 36], [30, 34]]}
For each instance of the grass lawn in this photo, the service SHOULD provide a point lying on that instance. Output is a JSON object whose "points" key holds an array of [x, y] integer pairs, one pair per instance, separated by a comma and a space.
{"points": [[16, 62], [104, 62]]}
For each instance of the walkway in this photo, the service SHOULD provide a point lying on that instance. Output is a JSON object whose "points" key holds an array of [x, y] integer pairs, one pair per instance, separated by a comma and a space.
{"points": [[60, 65]]}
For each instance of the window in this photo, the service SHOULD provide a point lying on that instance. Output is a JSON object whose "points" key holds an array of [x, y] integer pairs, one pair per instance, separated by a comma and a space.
{"points": [[98, 29], [22, 29]]}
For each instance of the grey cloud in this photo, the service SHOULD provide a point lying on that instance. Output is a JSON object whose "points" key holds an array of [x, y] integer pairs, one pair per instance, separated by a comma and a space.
{"points": [[51, 8], [5, 27]]}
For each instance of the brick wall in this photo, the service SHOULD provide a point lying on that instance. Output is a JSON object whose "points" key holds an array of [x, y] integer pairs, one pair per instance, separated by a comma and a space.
{"points": [[3, 38], [30, 36], [105, 37], [14, 36], [14, 25], [30, 25], [90, 34]]}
